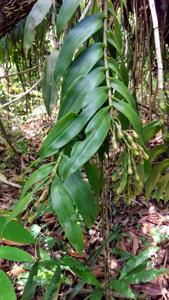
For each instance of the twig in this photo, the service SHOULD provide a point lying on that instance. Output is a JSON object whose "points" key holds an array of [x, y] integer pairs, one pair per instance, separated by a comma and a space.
{"points": [[22, 95], [84, 13], [9, 143], [157, 44], [21, 72], [11, 184]]}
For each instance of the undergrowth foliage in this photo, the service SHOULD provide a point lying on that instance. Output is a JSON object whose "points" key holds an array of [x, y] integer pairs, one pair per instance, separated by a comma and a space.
{"points": [[98, 118]]}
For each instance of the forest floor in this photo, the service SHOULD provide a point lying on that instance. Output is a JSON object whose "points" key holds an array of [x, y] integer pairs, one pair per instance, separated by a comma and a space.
{"points": [[141, 225]]}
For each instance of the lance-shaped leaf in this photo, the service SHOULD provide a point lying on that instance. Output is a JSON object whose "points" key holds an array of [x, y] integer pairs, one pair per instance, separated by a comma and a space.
{"points": [[122, 288], [136, 261], [50, 89], [56, 139], [161, 185], [15, 232], [155, 175], [6, 289], [65, 211], [14, 254], [36, 176], [80, 270], [83, 151], [81, 194], [52, 289], [35, 17], [79, 34], [94, 176], [156, 151], [144, 275], [96, 295], [120, 87], [150, 129], [131, 115], [20, 206], [96, 120], [114, 67], [67, 10], [118, 31], [62, 125], [74, 99], [114, 42], [82, 65], [31, 283]]}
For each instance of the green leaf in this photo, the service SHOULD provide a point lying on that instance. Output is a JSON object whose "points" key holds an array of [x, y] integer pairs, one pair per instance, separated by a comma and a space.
{"points": [[118, 31], [59, 136], [15, 232], [79, 34], [67, 10], [136, 261], [80, 192], [144, 276], [96, 120], [124, 73], [80, 270], [6, 288], [64, 209], [155, 175], [14, 254], [156, 151], [131, 115], [49, 88], [123, 254], [166, 196], [35, 17], [82, 65], [94, 177], [52, 289], [30, 287], [122, 288], [79, 95], [114, 42], [62, 125], [36, 176], [96, 295], [123, 90], [161, 185], [123, 183], [150, 129], [20, 207], [114, 67], [83, 151]]}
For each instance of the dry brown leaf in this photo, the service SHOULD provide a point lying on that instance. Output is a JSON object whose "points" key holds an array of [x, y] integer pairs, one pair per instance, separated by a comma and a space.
{"points": [[16, 271], [150, 289], [72, 253], [11, 243], [98, 272], [135, 239]]}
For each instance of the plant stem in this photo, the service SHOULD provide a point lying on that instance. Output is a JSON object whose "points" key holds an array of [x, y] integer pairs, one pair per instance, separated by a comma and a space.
{"points": [[105, 196], [106, 53]]}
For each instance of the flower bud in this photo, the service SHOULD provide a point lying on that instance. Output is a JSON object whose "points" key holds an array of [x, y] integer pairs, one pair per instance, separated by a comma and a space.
{"points": [[130, 171], [135, 135]]}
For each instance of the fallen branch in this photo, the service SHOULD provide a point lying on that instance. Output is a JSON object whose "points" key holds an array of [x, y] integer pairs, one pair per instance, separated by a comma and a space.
{"points": [[22, 95]]}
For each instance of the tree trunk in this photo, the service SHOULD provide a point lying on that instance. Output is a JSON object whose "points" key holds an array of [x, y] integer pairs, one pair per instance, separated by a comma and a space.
{"points": [[12, 11]]}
